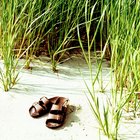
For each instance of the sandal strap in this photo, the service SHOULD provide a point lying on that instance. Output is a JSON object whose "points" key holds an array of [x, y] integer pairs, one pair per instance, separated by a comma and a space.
{"points": [[37, 107], [44, 101], [56, 109], [55, 118]]}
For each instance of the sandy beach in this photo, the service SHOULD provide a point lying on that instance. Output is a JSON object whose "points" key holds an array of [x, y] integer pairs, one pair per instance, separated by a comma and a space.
{"points": [[80, 124]]}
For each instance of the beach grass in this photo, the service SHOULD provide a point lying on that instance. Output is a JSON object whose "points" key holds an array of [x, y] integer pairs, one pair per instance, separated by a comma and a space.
{"points": [[109, 27], [121, 20]]}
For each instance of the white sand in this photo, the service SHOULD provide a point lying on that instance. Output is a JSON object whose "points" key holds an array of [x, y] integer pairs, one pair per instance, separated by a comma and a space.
{"points": [[17, 124]]}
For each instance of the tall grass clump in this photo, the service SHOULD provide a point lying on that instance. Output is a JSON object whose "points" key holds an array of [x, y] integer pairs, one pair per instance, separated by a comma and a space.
{"points": [[15, 32], [124, 30], [9, 31], [102, 112], [124, 24], [33, 28], [28, 26], [19, 23], [121, 20], [63, 31]]}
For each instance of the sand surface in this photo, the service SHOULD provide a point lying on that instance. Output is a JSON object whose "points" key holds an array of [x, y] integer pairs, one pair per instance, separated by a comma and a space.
{"points": [[80, 124]]}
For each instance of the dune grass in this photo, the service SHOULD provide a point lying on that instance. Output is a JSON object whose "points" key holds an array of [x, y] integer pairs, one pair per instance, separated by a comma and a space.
{"points": [[26, 25], [58, 26], [122, 22]]}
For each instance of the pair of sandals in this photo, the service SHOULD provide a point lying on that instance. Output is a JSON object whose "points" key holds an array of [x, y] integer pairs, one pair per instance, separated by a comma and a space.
{"points": [[56, 108]]}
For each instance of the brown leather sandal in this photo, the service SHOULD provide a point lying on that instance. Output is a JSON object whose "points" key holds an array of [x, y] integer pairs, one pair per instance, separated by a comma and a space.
{"points": [[57, 113], [42, 107]]}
